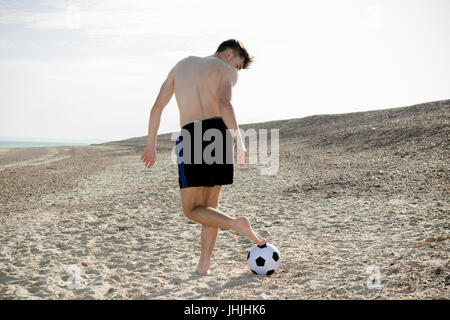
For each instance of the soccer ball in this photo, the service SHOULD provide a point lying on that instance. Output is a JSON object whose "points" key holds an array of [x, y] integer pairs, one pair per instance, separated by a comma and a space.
{"points": [[264, 259]]}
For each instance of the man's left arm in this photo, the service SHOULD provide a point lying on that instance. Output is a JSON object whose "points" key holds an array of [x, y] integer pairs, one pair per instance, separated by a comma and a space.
{"points": [[164, 96]]}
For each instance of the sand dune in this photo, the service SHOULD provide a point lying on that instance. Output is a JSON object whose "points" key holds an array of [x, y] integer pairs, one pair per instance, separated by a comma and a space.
{"points": [[358, 209]]}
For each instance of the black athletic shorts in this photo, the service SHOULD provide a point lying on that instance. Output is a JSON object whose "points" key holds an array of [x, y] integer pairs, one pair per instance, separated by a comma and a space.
{"points": [[205, 154]]}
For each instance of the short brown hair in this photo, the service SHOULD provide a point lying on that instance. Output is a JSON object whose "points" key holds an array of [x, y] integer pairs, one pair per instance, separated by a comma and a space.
{"points": [[238, 50]]}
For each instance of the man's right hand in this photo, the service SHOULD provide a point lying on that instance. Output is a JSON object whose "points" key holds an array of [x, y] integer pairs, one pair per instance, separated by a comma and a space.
{"points": [[241, 154]]}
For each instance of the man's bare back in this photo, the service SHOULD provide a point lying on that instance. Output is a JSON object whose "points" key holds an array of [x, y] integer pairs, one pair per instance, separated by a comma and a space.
{"points": [[196, 86], [202, 87]]}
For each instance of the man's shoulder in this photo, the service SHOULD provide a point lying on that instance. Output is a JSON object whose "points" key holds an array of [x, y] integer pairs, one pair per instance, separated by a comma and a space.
{"points": [[209, 63], [218, 63], [225, 70], [231, 73], [225, 66]]}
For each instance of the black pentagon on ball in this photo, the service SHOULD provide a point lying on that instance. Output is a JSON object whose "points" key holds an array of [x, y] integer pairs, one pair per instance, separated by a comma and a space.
{"points": [[263, 246], [268, 273], [275, 256], [248, 256], [260, 261], [254, 271]]}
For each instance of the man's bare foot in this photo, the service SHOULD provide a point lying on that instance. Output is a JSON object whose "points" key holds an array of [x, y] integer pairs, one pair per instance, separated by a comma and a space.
{"points": [[203, 272], [203, 269], [243, 226]]}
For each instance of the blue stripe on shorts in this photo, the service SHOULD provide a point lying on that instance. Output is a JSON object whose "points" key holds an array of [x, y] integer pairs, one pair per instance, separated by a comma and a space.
{"points": [[181, 166]]}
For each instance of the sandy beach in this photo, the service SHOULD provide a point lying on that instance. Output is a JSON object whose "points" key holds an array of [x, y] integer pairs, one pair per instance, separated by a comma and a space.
{"points": [[359, 209]]}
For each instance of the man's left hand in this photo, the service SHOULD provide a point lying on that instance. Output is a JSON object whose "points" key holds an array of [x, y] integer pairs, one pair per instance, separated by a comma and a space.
{"points": [[149, 156]]}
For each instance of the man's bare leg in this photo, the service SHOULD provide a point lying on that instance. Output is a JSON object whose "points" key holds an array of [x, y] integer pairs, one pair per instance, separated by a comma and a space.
{"points": [[193, 201], [211, 217], [208, 241]]}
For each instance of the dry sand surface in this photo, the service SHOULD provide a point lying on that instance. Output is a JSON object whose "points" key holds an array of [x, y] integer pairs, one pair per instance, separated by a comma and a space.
{"points": [[355, 194]]}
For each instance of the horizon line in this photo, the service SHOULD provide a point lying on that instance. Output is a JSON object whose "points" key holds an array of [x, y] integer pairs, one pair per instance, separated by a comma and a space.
{"points": [[16, 138]]}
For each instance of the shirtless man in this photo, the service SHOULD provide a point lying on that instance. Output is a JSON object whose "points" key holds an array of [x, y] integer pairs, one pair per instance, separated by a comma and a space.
{"points": [[202, 87]]}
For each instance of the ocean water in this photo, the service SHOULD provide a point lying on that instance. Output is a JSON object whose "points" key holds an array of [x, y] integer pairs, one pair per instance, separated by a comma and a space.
{"points": [[4, 143]]}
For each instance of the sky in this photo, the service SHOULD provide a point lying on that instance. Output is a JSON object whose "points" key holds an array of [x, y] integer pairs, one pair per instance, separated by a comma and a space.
{"points": [[91, 70]]}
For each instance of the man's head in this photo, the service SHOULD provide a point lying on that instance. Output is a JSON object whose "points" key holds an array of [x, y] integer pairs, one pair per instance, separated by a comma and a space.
{"points": [[234, 53]]}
